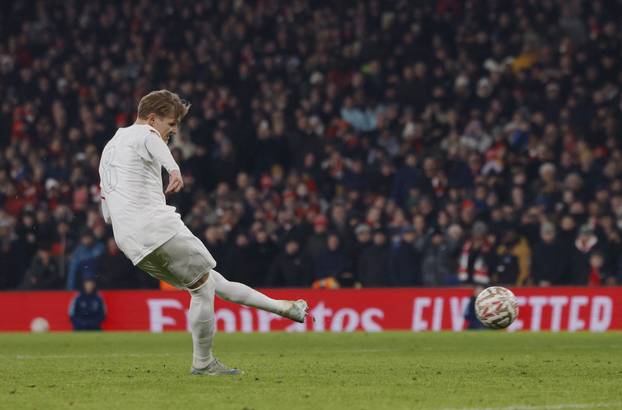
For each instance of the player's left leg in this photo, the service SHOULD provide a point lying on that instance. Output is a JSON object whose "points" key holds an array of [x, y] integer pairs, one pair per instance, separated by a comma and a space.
{"points": [[240, 293], [184, 262]]}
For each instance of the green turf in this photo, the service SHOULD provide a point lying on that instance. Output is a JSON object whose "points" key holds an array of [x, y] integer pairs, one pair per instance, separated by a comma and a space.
{"points": [[313, 371]]}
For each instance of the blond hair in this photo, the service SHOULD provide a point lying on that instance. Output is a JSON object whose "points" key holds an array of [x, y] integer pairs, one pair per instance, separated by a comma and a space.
{"points": [[163, 103]]}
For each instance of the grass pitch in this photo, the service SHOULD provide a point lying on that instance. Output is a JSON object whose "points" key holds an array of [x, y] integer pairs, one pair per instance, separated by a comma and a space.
{"points": [[314, 371]]}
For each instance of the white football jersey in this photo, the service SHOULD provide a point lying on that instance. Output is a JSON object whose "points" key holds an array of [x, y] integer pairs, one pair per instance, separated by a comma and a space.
{"points": [[130, 173]]}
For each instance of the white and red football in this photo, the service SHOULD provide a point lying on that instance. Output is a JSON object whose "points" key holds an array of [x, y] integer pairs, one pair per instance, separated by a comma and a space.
{"points": [[496, 307]]}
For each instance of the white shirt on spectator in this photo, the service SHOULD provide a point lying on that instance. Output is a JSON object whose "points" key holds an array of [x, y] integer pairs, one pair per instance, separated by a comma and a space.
{"points": [[133, 200]]}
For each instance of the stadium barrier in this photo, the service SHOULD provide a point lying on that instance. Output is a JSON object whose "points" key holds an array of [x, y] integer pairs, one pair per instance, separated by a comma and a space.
{"points": [[345, 310]]}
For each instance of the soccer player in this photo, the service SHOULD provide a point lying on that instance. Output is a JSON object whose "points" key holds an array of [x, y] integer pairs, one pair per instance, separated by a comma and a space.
{"points": [[152, 235]]}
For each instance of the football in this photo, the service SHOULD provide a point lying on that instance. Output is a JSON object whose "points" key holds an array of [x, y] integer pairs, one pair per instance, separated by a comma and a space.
{"points": [[496, 307]]}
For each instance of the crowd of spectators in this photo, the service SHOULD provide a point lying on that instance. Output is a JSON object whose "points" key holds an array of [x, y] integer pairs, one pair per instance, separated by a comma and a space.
{"points": [[364, 143]]}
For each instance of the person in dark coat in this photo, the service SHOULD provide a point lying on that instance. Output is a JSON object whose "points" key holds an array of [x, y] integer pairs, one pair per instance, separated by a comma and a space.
{"points": [[290, 268], [316, 243], [43, 272], [9, 261], [547, 258], [566, 235], [405, 263], [213, 240], [373, 265], [439, 254], [407, 177], [264, 252], [506, 269], [239, 261], [362, 234], [332, 262], [117, 271], [87, 309]]}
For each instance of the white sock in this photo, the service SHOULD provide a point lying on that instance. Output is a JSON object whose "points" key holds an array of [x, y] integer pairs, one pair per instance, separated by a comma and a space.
{"points": [[239, 293], [202, 323]]}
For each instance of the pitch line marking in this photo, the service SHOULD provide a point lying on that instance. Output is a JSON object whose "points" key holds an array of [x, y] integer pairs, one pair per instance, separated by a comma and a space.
{"points": [[85, 356], [88, 356], [544, 407]]}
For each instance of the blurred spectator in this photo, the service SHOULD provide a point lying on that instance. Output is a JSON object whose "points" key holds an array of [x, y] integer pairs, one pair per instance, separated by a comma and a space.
{"points": [[598, 275], [406, 178], [585, 246], [213, 240], [476, 259], [332, 261], [405, 260], [506, 271], [291, 268], [612, 243], [316, 243], [27, 236], [9, 260], [87, 309], [264, 252], [238, 263], [438, 267], [43, 272], [513, 259], [362, 242], [567, 236], [117, 272], [84, 257], [547, 262], [339, 224], [374, 263]]}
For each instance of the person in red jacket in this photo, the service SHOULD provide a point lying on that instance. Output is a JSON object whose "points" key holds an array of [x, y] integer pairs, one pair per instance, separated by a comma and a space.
{"points": [[476, 258]]}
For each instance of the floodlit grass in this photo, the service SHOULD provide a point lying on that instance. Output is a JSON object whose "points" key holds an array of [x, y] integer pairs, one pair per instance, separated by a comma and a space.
{"points": [[314, 371]]}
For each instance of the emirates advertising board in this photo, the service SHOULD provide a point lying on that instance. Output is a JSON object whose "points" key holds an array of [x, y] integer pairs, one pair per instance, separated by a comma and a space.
{"points": [[346, 310]]}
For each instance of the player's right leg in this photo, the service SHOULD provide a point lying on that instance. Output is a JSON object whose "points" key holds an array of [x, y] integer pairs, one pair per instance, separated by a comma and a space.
{"points": [[203, 326], [240, 293]]}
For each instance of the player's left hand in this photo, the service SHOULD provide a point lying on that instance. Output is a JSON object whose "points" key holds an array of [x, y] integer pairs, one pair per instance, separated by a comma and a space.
{"points": [[175, 182]]}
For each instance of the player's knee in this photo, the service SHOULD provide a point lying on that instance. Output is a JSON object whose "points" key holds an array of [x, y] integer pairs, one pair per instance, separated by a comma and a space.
{"points": [[199, 282]]}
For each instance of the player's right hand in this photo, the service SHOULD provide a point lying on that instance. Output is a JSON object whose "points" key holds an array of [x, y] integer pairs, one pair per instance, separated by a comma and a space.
{"points": [[175, 182]]}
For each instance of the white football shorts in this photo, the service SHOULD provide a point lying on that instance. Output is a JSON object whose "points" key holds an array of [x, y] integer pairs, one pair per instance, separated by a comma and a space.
{"points": [[180, 261]]}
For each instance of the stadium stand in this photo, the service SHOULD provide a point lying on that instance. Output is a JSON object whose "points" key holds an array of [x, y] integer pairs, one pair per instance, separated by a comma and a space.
{"points": [[367, 143]]}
